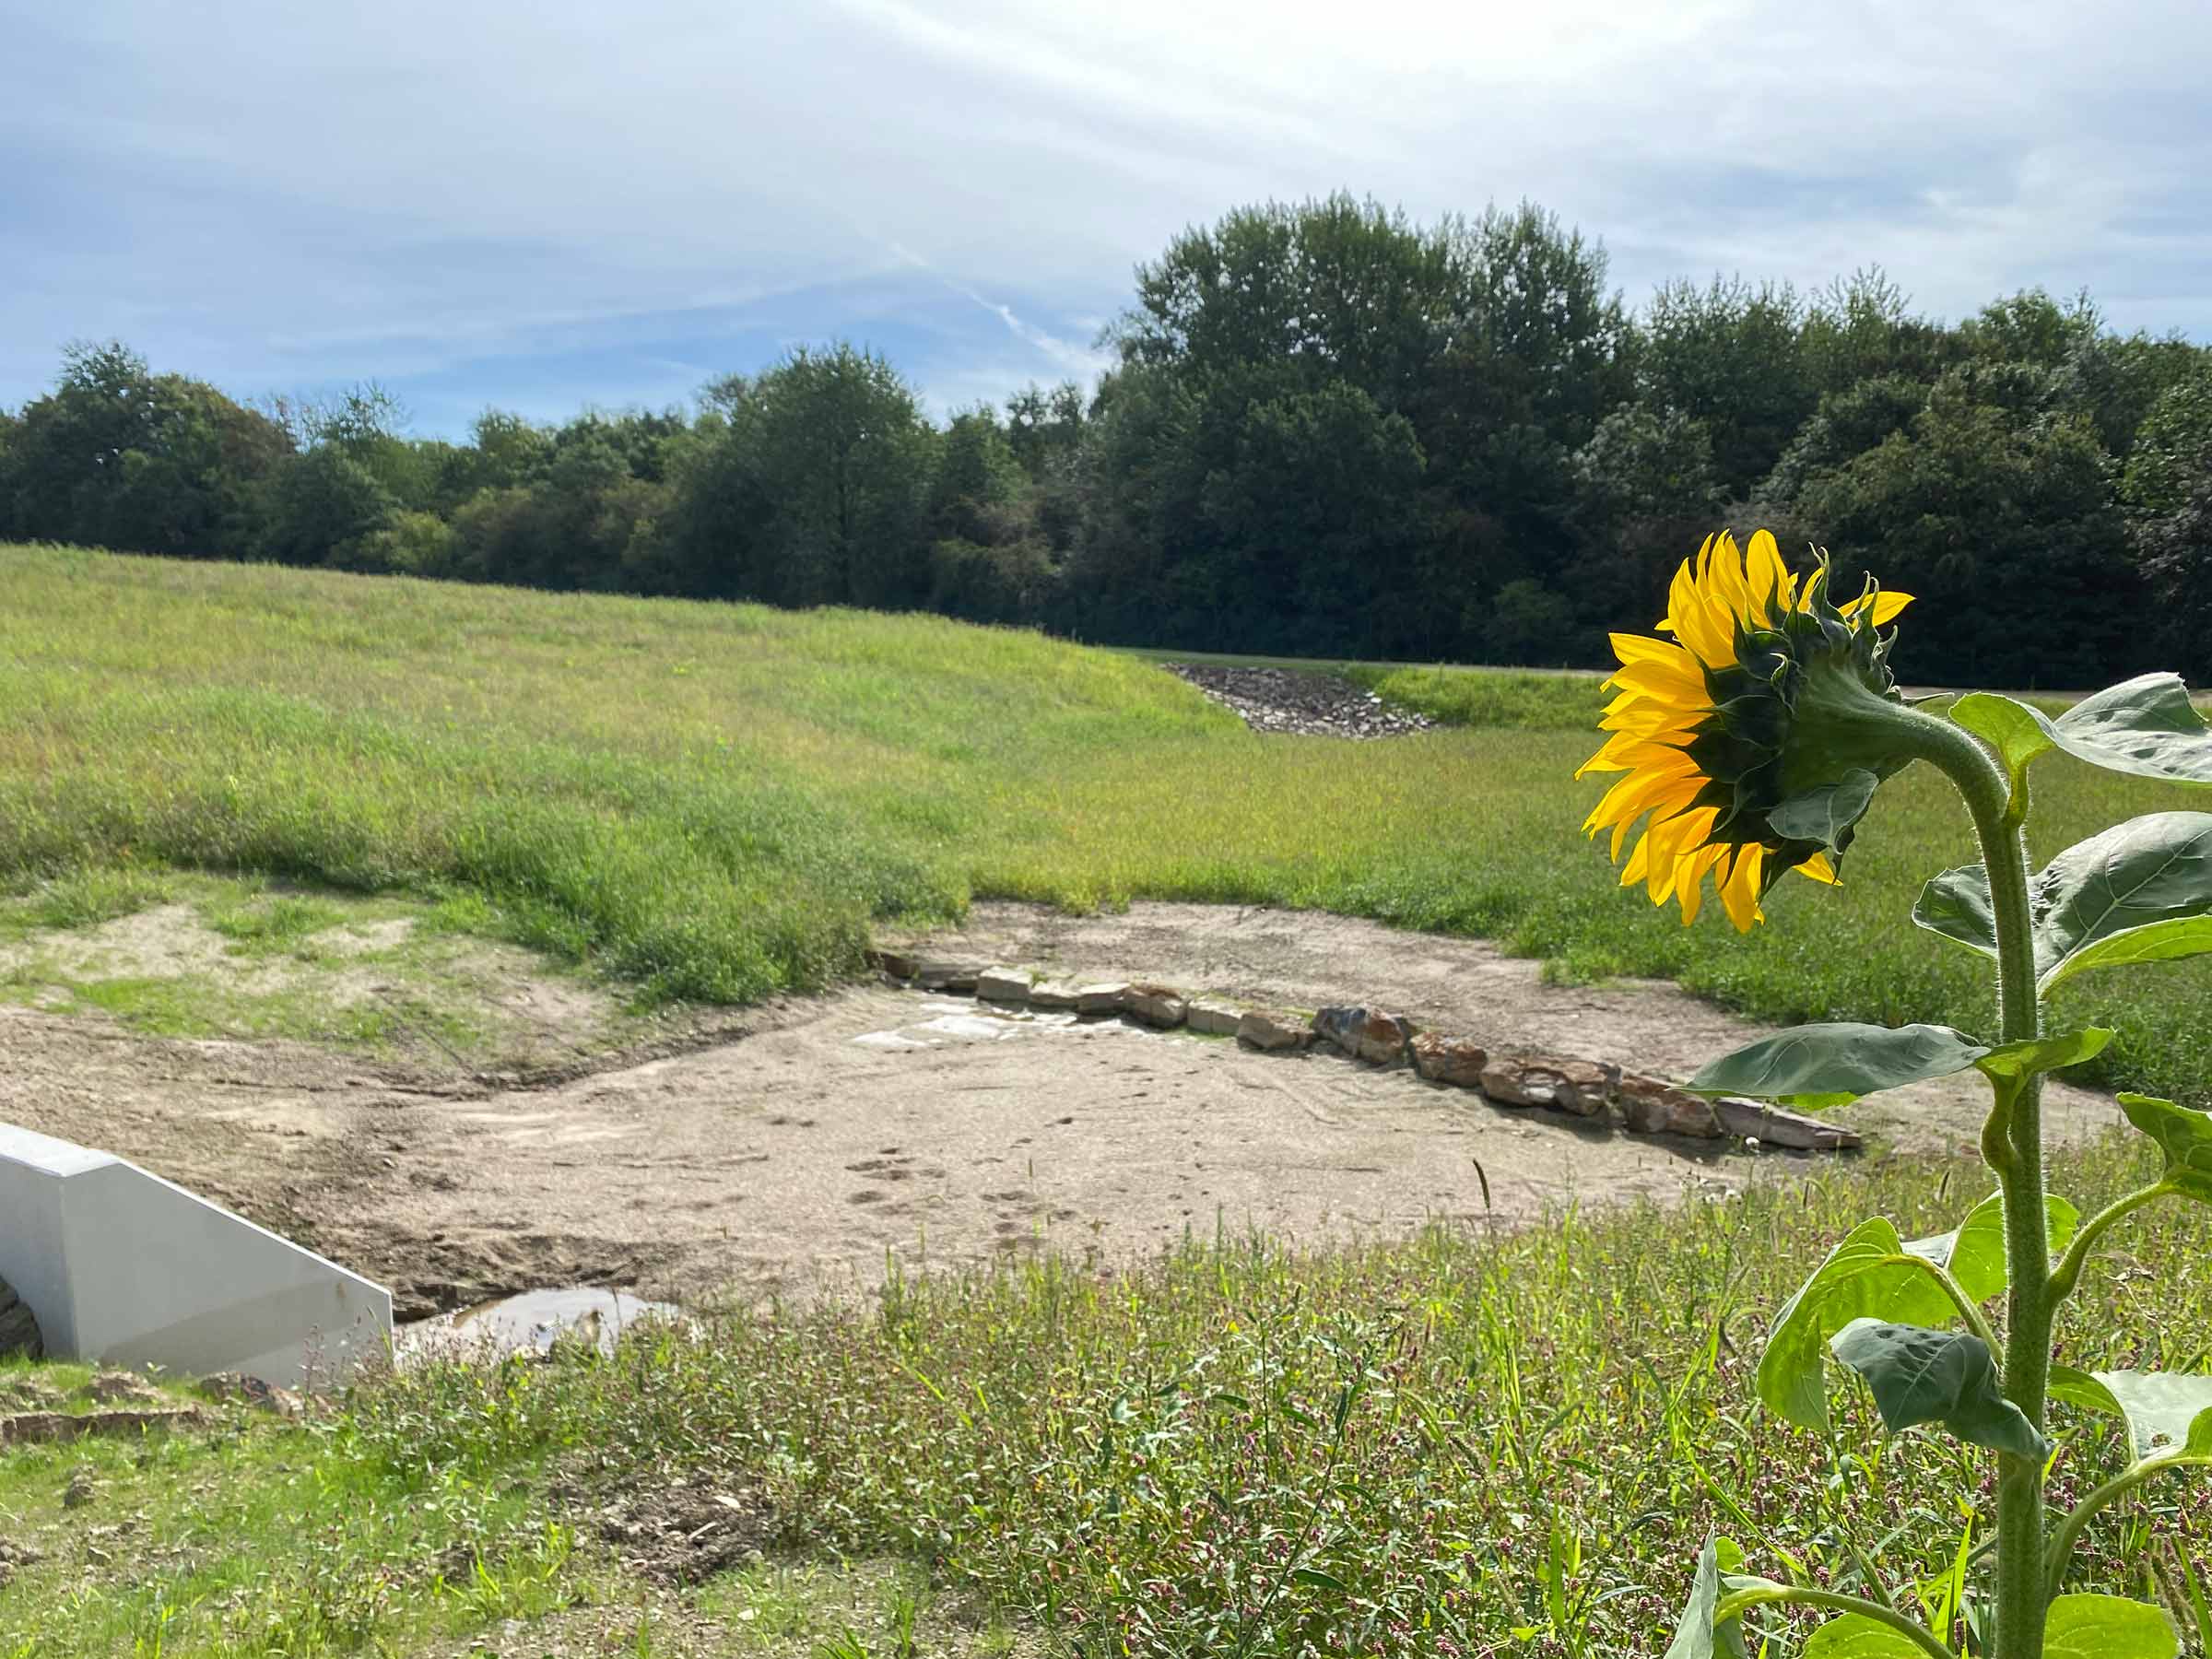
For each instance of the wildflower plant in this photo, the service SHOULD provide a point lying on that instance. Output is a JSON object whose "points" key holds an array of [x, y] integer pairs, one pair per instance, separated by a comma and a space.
{"points": [[1752, 743]]}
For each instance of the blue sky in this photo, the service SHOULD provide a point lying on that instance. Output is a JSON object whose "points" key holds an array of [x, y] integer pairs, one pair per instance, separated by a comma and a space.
{"points": [[547, 205]]}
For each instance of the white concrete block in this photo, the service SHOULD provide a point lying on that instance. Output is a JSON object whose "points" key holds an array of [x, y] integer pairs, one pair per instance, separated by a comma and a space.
{"points": [[122, 1267]]}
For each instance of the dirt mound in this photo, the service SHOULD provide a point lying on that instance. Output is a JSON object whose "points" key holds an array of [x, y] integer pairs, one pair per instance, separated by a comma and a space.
{"points": [[1314, 705]]}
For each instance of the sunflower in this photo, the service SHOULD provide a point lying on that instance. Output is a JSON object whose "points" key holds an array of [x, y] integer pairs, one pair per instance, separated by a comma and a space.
{"points": [[1753, 740]]}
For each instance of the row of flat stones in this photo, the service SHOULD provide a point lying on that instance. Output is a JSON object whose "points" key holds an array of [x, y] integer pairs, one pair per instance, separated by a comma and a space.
{"points": [[1585, 1089]]}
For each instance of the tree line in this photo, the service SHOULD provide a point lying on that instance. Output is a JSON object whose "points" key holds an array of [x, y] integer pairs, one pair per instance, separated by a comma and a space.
{"points": [[1327, 430]]}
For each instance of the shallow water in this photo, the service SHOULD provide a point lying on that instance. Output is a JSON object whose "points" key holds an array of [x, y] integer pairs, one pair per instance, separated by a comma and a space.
{"points": [[530, 1322], [949, 1021]]}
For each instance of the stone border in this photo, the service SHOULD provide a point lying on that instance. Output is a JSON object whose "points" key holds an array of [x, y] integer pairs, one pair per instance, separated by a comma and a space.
{"points": [[1584, 1088]]}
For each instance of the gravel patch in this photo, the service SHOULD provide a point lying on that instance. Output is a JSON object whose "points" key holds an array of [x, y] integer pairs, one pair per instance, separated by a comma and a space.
{"points": [[1305, 704]]}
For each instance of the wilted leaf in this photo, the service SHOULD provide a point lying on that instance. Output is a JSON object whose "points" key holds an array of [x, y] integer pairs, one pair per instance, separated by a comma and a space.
{"points": [[1695, 1636], [1825, 815], [1956, 905], [1947, 1377], [1868, 1276]]}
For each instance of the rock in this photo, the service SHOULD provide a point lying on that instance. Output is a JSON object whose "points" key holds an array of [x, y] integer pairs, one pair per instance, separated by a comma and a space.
{"points": [[948, 976], [18, 1327], [1651, 1107], [1211, 1016], [80, 1492], [1004, 984], [1055, 995], [1366, 1033], [1273, 1030], [1772, 1126], [1455, 1060], [1585, 1087], [110, 1386], [898, 964], [1581, 1086], [31, 1428], [1159, 1006], [1102, 999], [13, 1556], [1504, 1081]]}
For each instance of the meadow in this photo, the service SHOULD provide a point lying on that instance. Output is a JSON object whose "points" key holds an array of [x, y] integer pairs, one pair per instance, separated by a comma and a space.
{"points": [[1459, 1444], [1472, 1442], [720, 802]]}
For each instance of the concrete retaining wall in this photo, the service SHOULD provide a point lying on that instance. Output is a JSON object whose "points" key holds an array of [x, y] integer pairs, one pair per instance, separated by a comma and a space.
{"points": [[122, 1267]]}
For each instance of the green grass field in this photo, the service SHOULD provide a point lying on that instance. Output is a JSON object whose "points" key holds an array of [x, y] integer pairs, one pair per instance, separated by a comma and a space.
{"points": [[720, 802], [1452, 1446]]}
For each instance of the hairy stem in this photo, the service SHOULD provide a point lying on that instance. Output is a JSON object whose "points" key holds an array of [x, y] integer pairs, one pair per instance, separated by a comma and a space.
{"points": [[2069, 1268], [2016, 1133], [1762, 1595]]}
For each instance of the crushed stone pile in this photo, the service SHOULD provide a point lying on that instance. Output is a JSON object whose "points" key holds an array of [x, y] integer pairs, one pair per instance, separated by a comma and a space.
{"points": [[1292, 700]]}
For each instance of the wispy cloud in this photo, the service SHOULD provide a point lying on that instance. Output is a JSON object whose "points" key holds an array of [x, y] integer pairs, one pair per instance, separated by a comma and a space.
{"points": [[503, 202]]}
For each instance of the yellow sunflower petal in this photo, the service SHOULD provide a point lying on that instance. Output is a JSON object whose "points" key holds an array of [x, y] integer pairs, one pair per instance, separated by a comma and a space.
{"points": [[1739, 891], [1820, 869], [1767, 575], [1888, 602]]}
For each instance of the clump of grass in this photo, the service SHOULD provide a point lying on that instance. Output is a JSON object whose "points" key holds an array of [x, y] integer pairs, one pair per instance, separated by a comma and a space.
{"points": [[721, 801], [89, 896]]}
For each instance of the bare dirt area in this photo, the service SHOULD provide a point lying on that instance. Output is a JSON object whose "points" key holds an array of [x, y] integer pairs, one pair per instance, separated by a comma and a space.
{"points": [[805, 1146]]}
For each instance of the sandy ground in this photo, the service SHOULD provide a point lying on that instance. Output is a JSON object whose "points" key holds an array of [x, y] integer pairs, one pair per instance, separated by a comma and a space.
{"points": [[831, 1136]]}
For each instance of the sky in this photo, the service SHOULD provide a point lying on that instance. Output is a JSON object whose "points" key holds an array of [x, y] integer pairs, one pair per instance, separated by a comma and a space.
{"points": [[547, 207]]}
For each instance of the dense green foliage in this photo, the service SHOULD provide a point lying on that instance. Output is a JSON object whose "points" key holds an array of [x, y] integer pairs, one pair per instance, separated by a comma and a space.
{"points": [[719, 801], [1329, 431], [1475, 1442]]}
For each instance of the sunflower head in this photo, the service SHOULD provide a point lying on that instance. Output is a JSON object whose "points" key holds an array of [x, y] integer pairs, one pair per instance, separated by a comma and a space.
{"points": [[1754, 738]]}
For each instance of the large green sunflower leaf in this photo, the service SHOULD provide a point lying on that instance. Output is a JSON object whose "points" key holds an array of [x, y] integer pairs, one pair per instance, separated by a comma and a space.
{"points": [[1974, 1250], [1815, 1065], [2157, 942], [1870, 1274], [2017, 731], [2106, 1627], [2184, 1135], [1956, 905], [2147, 726], [1825, 815], [2167, 1412], [1947, 1377], [2141, 892]]}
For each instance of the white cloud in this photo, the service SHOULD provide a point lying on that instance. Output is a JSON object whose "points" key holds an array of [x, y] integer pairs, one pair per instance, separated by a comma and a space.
{"points": [[264, 193]]}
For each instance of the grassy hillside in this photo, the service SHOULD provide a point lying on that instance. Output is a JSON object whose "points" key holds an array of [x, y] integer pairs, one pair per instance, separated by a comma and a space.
{"points": [[718, 802]]}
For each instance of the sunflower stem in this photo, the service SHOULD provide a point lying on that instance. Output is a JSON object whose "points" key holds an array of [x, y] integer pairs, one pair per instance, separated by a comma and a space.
{"points": [[2013, 1147]]}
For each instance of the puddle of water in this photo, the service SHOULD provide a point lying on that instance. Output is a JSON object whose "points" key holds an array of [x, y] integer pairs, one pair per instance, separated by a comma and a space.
{"points": [[966, 1022], [529, 1322]]}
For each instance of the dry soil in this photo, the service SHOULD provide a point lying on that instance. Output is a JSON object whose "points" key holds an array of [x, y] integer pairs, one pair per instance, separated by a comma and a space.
{"points": [[807, 1146]]}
